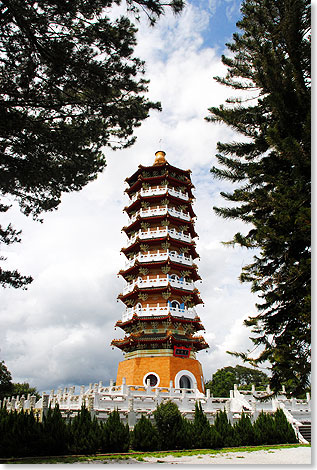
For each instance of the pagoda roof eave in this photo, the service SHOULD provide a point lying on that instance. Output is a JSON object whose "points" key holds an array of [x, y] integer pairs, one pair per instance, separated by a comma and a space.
{"points": [[174, 319], [150, 167], [198, 343], [151, 241], [140, 179], [173, 290], [196, 276], [168, 216]]}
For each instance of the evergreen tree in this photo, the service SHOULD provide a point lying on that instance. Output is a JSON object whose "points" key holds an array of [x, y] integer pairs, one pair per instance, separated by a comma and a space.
{"points": [[225, 430], [55, 432], [6, 385], [223, 380], [264, 429], [201, 429], [84, 433], [244, 431], [169, 424], [70, 86], [115, 436], [284, 431], [144, 435], [270, 65]]}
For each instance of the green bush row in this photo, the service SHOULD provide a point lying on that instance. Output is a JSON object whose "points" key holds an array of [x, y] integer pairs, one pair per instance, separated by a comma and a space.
{"points": [[23, 435]]}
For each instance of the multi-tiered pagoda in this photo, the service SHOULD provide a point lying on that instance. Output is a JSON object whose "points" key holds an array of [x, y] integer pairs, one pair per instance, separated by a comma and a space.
{"points": [[160, 321]]}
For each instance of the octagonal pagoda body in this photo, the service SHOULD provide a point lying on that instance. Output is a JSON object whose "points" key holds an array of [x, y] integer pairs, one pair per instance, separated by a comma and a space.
{"points": [[160, 321]]}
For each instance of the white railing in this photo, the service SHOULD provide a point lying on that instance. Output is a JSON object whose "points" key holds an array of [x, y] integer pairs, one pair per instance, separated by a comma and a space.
{"points": [[158, 233], [149, 212], [179, 194], [158, 282], [160, 190], [160, 210], [159, 311], [160, 256], [179, 214]]}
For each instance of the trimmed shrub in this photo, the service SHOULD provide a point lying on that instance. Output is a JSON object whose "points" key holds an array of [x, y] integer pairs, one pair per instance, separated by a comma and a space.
{"points": [[84, 433], [225, 430], [169, 423], [244, 433], [115, 436], [264, 429], [55, 433], [201, 429], [284, 432], [215, 438], [144, 436]]}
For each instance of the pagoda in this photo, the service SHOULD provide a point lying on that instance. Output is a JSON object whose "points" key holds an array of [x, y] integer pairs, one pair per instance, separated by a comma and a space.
{"points": [[160, 321]]}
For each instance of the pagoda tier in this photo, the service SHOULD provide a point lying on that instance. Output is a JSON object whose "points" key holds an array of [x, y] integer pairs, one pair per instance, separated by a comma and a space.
{"points": [[134, 342], [155, 244], [135, 322], [135, 268], [160, 320], [156, 220]]}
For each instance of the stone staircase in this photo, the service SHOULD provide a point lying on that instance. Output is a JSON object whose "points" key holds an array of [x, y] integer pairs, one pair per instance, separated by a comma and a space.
{"points": [[305, 430]]}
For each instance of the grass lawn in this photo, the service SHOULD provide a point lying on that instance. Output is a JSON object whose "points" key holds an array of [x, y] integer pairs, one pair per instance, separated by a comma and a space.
{"points": [[139, 456]]}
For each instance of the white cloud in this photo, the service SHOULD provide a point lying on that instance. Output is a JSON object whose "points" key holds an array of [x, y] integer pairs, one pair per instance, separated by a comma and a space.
{"points": [[59, 331]]}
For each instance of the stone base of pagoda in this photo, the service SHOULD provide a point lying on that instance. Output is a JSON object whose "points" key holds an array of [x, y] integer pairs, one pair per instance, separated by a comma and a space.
{"points": [[162, 369]]}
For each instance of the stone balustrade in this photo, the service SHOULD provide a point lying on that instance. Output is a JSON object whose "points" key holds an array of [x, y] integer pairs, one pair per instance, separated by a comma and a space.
{"points": [[134, 401], [159, 281], [152, 256], [159, 233], [157, 190], [159, 311], [160, 210]]}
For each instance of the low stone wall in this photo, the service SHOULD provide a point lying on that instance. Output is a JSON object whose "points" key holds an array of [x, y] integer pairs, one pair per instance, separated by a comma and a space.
{"points": [[134, 401]]}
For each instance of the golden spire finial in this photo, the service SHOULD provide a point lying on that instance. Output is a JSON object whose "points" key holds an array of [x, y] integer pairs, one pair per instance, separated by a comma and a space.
{"points": [[159, 157]]}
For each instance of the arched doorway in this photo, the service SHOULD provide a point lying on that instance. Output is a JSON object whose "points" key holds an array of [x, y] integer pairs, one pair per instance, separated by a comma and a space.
{"points": [[185, 382]]}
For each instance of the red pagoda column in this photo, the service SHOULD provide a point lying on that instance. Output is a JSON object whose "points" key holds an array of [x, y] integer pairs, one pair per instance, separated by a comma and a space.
{"points": [[160, 321]]}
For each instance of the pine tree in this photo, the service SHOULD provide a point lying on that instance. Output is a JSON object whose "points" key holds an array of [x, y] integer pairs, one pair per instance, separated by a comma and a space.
{"points": [[284, 431], [168, 420], [244, 431], [115, 436], [270, 64], [84, 433], [201, 429], [264, 429], [55, 432], [225, 430], [70, 86], [144, 435]]}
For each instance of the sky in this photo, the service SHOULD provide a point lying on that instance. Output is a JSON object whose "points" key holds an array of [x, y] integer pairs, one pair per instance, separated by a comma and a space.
{"points": [[58, 332]]}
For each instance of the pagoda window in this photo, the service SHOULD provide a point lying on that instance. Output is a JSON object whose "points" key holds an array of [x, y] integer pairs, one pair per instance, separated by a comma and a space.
{"points": [[185, 382], [174, 277], [175, 304], [138, 307]]}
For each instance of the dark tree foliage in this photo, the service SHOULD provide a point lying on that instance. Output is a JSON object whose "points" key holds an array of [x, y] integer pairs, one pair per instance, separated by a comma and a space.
{"points": [[201, 429], [84, 433], [24, 389], [264, 429], [115, 435], [55, 432], [225, 430], [6, 385], [69, 86], [271, 168], [284, 433], [243, 430], [223, 380], [144, 436], [169, 424]]}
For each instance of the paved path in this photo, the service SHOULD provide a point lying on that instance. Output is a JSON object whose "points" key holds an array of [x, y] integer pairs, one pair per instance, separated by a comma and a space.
{"points": [[290, 456]]}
